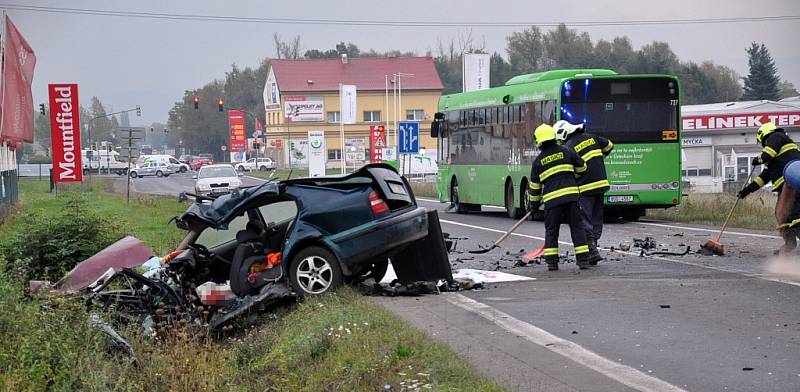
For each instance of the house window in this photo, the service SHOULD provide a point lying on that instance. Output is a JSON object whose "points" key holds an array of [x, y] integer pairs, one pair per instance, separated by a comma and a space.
{"points": [[334, 117], [415, 115], [372, 116], [334, 153]]}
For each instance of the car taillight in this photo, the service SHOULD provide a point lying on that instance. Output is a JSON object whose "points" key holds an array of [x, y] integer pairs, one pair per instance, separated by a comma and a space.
{"points": [[378, 205]]}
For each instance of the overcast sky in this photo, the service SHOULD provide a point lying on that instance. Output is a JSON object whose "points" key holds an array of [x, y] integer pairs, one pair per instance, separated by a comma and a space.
{"points": [[130, 61]]}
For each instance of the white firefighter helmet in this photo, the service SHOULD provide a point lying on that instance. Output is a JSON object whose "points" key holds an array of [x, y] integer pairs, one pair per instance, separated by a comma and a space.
{"points": [[564, 129]]}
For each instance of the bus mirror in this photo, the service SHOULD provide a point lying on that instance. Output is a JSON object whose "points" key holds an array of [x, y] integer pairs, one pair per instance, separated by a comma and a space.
{"points": [[435, 129]]}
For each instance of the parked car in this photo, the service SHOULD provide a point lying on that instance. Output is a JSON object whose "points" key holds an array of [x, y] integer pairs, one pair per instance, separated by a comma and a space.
{"points": [[199, 162], [325, 230], [216, 180], [263, 164], [164, 159], [151, 168]]}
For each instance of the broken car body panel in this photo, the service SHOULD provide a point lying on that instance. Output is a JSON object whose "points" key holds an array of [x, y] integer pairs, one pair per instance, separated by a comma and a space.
{"points": [[128, 252]]}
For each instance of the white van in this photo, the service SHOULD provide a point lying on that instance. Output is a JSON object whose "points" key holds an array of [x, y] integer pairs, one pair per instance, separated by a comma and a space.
{"points": [[103, 161], [168, 160]]}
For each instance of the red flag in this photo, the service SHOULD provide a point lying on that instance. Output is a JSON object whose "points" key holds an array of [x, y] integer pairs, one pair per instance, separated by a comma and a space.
{"points": [[259, 127], [16, 124]]}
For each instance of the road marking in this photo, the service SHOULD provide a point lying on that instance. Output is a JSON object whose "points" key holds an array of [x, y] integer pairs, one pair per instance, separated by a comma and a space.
{"points": [[721, 269], [621, 373], [738, 233]]}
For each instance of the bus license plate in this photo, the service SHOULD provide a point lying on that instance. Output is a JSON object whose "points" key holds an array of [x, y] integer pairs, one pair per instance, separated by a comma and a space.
{"points": [[620, 199]]}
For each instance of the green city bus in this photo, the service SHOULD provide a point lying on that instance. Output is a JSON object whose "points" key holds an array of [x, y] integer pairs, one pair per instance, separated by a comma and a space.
{"points": [[485, 137]]}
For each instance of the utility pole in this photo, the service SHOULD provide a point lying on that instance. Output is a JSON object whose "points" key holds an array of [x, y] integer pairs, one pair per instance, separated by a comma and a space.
{"points": [[130, 153]]}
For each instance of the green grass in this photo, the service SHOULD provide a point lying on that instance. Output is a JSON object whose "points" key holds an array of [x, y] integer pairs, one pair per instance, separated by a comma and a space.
{"points": [[425, 189], [47, 343], [754, 212]]}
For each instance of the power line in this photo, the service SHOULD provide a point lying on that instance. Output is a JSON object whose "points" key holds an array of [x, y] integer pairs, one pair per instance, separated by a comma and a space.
{"points": [[386, 23]]}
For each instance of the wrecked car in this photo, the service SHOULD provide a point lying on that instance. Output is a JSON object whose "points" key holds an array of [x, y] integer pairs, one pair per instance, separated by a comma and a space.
{"points": [[304, 236]]}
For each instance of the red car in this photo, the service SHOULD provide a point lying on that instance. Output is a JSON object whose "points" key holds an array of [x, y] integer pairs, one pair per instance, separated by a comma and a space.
{"points": [[199, 162]]}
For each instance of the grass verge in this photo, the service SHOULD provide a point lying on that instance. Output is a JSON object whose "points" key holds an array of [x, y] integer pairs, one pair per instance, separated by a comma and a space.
{"points": [[337, 342], [754, 212]]}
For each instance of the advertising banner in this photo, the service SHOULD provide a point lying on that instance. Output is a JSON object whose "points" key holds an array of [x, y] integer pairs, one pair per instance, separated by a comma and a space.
{"points": [[65, 132], [347, 101], [16, 125], [749, 120], [476, 71], [299, 109], [237, 140], [297, 153], [354, 150], [317, 155], [377, 141]]}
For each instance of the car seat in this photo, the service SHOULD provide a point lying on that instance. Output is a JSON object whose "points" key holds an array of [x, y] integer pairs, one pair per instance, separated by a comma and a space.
{"points": [[246, 276]]}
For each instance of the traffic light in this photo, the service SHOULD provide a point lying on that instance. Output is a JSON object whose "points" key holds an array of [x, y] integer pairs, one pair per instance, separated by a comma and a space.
{"points": [[41, 109], [165, 130], [138, 111], [196, 102], [256, 144], [221, 104]]}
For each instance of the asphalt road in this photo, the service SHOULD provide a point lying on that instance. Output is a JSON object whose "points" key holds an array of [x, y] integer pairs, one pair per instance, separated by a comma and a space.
{"points": [[698, 323], [168, 186]]}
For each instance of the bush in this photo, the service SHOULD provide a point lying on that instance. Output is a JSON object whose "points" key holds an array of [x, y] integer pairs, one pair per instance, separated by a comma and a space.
{"points": [[44, 245]]}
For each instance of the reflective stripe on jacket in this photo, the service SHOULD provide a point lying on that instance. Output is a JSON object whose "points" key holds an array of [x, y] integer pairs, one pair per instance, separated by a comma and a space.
{"points": [[592, 149], [553, 174]]}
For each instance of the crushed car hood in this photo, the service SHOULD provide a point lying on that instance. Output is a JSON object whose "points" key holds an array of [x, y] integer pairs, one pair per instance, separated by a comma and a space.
{"points": [[217, 213], [128, 252]]}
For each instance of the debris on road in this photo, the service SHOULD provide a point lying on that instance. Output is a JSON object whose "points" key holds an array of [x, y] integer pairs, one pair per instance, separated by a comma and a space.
{"points": [[666, 253], [645, 244]]}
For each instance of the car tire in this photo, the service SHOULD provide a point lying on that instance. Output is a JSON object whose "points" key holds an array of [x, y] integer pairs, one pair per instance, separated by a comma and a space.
{"points": [[262, 168], [159, 174], [240, 169], [314, 271], [183, 169], [134, 174]]}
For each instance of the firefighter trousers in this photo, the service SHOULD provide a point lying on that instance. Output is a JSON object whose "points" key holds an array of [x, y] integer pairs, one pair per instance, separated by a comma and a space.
{"points": [[552, 226], [592, 214]]}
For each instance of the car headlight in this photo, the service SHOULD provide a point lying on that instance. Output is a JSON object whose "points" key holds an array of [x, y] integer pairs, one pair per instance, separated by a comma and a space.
{"points": [[204, 187], [236, 183]]}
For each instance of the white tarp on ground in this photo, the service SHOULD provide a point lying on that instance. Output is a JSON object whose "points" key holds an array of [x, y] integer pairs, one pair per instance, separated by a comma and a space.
{"points": [[481, 276]]}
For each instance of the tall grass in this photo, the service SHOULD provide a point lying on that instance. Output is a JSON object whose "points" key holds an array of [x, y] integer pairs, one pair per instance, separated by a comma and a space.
{"points": [[754, 212]]}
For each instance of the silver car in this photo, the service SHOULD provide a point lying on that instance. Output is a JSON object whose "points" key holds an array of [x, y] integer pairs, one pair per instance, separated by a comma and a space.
{"points": [[213, 180], [151, 168]]}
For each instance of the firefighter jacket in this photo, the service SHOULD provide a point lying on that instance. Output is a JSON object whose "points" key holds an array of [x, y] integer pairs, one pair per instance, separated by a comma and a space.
{"points": [[592, 149], [778, 147], [553, 176]]}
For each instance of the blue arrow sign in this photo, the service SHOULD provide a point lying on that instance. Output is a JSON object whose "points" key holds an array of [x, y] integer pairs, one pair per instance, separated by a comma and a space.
{"points": [[408, 133]]}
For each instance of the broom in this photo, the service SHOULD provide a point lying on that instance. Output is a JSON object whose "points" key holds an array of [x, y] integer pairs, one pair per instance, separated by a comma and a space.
{"points": [[716, 246]]}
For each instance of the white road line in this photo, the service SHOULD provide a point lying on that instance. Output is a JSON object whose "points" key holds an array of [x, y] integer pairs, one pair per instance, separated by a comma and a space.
{"points": [[621, 373], [708, 230], [721, 269], [737, 233]]}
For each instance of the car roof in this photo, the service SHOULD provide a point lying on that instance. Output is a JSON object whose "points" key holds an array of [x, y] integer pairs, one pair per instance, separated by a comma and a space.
{"points": [[217, 165]]}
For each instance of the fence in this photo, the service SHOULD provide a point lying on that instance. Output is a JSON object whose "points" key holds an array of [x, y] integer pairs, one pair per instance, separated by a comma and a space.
{"points": [[9, 192]]}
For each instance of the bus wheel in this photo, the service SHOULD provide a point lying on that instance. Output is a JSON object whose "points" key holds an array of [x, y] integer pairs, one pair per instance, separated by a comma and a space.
{"points": [[633, 214], [511, 207], [461, 208]]}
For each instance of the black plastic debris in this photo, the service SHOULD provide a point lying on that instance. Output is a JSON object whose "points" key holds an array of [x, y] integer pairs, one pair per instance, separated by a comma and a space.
{"points": [[646, 244], [665, 306], [747, 369], [665, 252]]}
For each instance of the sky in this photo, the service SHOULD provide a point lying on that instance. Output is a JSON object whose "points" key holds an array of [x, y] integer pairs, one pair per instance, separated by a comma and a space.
{"points": [[151, 62]]}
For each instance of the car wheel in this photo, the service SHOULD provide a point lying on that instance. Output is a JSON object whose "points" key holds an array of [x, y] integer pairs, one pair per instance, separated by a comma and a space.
{"points": [[159, 174], [183, 169], [133, 174], [262, 168], [314, 271], [511, 208], [240, 169]]}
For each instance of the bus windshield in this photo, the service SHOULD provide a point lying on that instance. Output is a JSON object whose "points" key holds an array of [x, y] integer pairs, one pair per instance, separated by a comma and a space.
{"points": [[623, 109]]}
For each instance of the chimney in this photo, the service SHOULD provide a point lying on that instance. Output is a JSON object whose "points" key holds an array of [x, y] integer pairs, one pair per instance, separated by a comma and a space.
{"points": [[344, 58]]}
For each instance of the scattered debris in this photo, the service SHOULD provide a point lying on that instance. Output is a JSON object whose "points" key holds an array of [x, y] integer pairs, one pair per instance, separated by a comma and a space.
{"points": [[666, 253], [678, 234], [747, 369], [625, 247], [645, 244], [665, 306], [482, 276]]}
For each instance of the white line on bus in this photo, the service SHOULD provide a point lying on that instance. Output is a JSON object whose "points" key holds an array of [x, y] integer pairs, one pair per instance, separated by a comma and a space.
{"points": [[618, 372]]}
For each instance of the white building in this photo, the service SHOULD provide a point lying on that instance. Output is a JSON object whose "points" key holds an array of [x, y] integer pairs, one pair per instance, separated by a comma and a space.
{"points": [[719, 139]]}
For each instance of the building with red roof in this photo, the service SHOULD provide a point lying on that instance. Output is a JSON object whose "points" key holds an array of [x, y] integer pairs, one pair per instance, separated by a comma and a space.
{"points": [[303, 95]]}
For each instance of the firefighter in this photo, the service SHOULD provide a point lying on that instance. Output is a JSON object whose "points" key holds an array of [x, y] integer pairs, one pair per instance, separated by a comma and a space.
{"points": [[778, 149], [553, 183], [594, 184]]}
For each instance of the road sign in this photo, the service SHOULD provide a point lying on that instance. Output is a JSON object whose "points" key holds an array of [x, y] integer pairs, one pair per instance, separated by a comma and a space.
{"points": [[408, 135]]}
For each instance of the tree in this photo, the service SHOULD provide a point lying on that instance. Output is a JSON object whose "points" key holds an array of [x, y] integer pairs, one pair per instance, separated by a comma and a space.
{"points": [[101, 126], [603, 53], [565, 48], [500, 71], [787, 89], [762, 81], [124, 120], [525, 50], [41, 130], [656, 57], [622, 55], [726, 81], [287, 50]]}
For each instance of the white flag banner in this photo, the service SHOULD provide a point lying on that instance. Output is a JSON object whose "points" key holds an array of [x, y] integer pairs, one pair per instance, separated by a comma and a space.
{"points": [[475, 71], [316, 153], [347, 103]]}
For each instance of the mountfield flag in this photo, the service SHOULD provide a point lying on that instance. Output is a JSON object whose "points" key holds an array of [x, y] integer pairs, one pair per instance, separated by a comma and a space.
{"points": [[65, 132], [16, 124]]}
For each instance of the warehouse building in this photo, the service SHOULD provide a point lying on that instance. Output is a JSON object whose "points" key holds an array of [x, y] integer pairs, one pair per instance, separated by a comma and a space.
{"points": [[719, 140]]}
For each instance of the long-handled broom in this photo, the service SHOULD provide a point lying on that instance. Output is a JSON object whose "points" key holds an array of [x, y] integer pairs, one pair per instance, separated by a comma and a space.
{"points": [[716, 246]]}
